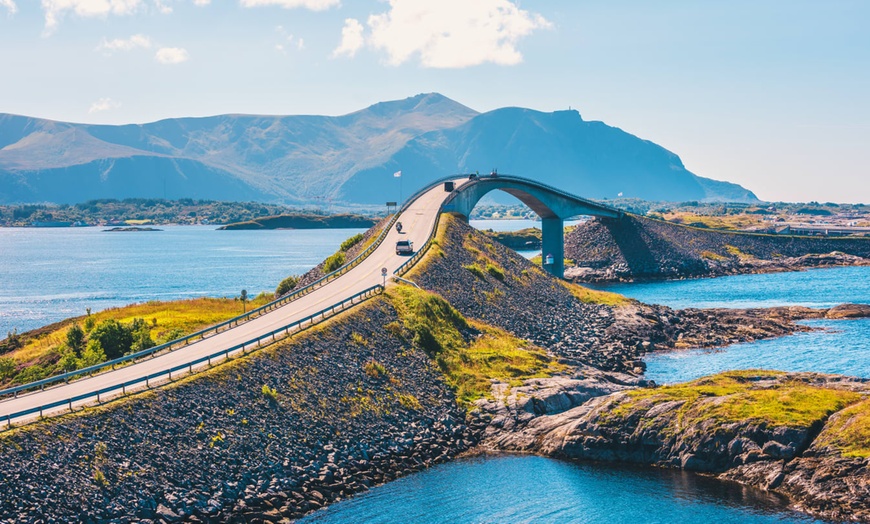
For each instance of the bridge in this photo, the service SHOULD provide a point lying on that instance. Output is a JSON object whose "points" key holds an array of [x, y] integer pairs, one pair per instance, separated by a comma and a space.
{"points": [[552, 205], [354, 282]]}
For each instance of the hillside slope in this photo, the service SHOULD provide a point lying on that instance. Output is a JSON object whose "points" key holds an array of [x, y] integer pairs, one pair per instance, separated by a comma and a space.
{"points": [[348, 159], [636, 247]]}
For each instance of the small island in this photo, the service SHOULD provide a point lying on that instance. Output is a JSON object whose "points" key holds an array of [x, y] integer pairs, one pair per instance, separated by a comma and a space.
{"points": [[130, 228], [304, 221]]}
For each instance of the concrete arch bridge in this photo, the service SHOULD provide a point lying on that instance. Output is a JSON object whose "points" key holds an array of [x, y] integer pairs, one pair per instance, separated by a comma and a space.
{"points": [[554, 206]]}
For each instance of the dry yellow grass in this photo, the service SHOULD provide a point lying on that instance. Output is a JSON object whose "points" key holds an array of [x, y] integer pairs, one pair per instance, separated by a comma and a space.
{"points": [[179, 316]]}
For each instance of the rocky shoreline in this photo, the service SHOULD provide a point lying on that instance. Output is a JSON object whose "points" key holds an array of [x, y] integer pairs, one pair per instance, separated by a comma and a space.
{"points": [[360, 401], [617, 418]]}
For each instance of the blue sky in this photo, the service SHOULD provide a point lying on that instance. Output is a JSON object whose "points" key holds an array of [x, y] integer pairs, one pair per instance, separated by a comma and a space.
{"points": [[774, 95]]}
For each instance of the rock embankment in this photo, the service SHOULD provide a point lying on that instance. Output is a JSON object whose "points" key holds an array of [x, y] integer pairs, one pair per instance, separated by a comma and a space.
{"points": [[772, 430], [275, 435], [637, 248], [488, 281]]}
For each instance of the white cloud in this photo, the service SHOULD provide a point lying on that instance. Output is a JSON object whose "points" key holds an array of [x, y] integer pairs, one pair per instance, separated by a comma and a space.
{"points": [[128, 44], [351, 38], [10, 6], [104, 104], [162, 8], [201, 2], [314, 5], [171, 55], [453, 33], [56, 9]]}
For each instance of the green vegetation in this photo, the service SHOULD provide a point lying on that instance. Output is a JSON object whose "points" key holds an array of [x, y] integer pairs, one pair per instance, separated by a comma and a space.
{"points": [[350, 242], [334, 262], [709, 255], [740, 399], [594, 296], [287, 285], [140, 211], [476, 271], [849, 431], [270, 394], [471, 354], [495, 271], [375, 369], [85, 341]]}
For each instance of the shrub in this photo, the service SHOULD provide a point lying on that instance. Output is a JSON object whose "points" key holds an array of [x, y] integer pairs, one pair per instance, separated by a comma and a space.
{"points": [[270, 394], [75, 339], [334, 262], [375, 369], [115, 339], [350, 242], [287, 285], [8, 365]]}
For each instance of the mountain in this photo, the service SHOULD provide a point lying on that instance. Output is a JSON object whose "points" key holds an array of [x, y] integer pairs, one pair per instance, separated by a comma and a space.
{"points": [[590, 159], [347, 159]]}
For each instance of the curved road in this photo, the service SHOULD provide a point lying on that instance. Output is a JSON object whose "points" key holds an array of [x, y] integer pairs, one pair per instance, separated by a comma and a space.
{"points": [[418, 220]]}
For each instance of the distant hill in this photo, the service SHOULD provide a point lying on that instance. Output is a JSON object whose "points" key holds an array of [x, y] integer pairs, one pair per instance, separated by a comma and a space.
{"points": [[348, 159]]}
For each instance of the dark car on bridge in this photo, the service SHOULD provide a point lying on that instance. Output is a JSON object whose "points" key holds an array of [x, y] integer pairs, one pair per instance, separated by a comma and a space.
{"points": [[404, 247]]}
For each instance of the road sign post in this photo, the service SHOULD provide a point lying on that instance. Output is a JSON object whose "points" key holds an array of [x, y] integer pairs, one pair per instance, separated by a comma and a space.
{"points": [[384, 274]]}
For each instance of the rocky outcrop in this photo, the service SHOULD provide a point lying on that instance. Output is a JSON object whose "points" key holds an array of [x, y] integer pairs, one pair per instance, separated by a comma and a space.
{"points": [[221, 446], [768, 429], [638, 248]]}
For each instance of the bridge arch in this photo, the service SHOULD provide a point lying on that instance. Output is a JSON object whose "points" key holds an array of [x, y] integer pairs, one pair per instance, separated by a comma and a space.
{"points": [[549, 203]]}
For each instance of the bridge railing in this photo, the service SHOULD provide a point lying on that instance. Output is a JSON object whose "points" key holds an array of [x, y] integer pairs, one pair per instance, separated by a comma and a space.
{"points": [[189, 367], [211, 330]]}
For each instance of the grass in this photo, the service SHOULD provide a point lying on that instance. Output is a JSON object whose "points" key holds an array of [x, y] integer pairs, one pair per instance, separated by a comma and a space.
{"points": [[594, 296], [375, 369], [849, 432], [167, 320], [726, 222], [738, 398], [476, 271], [735, 251], [709, 255], [471, 354]]}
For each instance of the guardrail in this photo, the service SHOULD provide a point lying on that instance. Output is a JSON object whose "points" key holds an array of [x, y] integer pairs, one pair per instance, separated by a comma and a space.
{"points": [[227, 324], [406, 266], [215, 329], [296, 327]]}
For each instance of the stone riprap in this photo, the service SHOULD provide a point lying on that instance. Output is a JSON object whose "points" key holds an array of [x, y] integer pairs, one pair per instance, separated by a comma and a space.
{"points": [[638, 248], [220, 447]]}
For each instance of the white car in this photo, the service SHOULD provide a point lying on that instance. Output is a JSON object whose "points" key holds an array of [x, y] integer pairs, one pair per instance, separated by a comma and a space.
{"points": [[404, 247]]}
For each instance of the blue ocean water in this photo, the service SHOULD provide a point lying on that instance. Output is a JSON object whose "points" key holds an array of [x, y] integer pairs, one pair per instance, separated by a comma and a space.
{"points": [[48, 274], [511, 489], [839, 347], [814, 288]]}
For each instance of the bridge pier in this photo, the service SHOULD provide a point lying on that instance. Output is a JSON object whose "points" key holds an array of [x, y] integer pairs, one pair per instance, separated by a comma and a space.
{"points": [[553, 243]]}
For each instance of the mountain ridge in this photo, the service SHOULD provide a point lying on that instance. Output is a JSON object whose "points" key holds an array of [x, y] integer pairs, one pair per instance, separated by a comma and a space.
{"points": [[347, 159]]}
